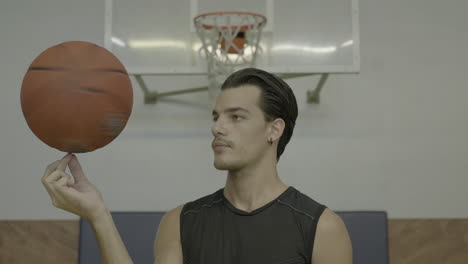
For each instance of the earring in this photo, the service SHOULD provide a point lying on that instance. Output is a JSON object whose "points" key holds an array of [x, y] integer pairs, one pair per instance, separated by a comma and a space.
{"points": [[270, 140]]}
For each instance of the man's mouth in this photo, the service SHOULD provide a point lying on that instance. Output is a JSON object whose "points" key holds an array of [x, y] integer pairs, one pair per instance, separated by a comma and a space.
{"points": [[219, 145]]}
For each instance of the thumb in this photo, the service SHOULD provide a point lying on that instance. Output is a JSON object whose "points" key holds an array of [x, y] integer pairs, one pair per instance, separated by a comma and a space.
{"points": [[76, 170]]}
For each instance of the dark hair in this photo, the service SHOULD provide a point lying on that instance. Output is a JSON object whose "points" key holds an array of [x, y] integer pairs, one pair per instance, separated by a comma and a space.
{"points": [[277, 99]]}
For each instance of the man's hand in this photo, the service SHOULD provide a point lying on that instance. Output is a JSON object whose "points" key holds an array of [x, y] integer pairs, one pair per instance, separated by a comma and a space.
{"points": [[78, 196]]}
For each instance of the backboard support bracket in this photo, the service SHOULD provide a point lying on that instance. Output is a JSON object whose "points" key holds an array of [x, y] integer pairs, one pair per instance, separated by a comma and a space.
{"points": [[313, 96], [151, 97]]}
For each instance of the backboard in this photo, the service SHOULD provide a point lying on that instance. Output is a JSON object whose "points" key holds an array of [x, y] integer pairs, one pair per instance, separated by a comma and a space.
{"points": [[301, 36]]}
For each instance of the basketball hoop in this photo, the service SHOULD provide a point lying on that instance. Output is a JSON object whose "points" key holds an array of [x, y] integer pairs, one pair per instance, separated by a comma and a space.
{"points": [[230, 40]]}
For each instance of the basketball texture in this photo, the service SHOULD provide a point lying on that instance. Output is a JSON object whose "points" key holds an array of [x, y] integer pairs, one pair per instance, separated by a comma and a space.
{"points": [[76, 97]]}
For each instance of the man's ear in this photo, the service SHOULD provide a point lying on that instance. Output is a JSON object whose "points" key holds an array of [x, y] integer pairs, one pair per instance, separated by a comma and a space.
{"points": [[276, 129]]}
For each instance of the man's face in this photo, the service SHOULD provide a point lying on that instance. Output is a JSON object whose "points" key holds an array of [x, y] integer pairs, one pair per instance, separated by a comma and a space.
{"points": [[239, 128]]}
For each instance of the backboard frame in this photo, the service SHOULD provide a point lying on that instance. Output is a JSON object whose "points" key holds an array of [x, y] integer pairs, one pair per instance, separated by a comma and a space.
{"points": [[190, 70]]}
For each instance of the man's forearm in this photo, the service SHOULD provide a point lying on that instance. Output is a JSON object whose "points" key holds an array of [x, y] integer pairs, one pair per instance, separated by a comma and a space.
{"points": [[113, 250]]}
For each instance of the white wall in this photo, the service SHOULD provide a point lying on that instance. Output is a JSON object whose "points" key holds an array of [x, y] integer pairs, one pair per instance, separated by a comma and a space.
{"points": [[392, 138]]}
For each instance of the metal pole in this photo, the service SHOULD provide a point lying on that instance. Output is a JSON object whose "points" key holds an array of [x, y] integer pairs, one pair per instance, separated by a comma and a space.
{"points": [[314, 96]]}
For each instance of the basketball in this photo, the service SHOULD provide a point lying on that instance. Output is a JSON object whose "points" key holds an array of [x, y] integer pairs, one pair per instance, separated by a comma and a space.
{"points": [[76, 97]]}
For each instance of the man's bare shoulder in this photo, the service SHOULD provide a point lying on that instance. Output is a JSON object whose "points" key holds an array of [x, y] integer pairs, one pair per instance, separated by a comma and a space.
{"points": [[173, 214], [332, 243], [170, 222], [167, 245], [329, 221]]}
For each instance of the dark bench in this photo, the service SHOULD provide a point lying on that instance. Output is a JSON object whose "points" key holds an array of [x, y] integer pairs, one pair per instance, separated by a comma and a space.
{"points": [[367, 229]]}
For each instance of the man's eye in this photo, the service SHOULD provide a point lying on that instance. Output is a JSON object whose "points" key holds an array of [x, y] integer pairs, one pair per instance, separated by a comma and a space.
{"points": [[236, 117]]}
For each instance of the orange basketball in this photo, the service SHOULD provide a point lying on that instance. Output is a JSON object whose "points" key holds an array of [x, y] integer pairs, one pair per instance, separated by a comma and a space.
{"points": [[76, 97]]}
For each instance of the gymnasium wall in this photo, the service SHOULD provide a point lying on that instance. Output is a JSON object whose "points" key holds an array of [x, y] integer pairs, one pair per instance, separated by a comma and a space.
{"points": [[393, 137]]}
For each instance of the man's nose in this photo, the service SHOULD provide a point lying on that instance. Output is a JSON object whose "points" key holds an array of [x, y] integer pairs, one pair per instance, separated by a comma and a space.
{"points": [[218, 127]]}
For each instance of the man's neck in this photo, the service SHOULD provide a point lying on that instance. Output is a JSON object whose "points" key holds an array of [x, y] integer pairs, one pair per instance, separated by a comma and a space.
{"points": [[252, 188]]}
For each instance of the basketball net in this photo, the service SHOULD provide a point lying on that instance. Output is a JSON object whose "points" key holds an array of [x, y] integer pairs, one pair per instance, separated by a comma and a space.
{"points": [[230, 41]]}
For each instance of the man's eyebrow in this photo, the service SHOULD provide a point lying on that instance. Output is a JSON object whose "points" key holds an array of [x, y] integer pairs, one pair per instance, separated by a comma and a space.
{"points": [[232, 109]]}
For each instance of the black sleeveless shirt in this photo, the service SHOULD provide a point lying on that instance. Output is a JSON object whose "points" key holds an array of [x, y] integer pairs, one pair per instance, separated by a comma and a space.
{"points": [[213, 231]]}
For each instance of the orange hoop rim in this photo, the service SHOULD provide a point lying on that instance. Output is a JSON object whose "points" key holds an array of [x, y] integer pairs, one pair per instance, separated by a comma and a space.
{"points": [[243, 28]]}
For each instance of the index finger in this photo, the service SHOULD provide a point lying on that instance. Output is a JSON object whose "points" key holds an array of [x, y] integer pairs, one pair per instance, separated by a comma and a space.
{"points": [[51, 168], [63, 162]]}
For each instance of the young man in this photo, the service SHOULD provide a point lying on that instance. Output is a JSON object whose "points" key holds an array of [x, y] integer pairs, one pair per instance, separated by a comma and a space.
{"points": [[255, 218]]}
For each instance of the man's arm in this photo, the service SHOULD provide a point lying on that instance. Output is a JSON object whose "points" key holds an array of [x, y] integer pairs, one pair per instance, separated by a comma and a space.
{"points": [[82, 198], [332, 243], [167, 245], [110, 243]]}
